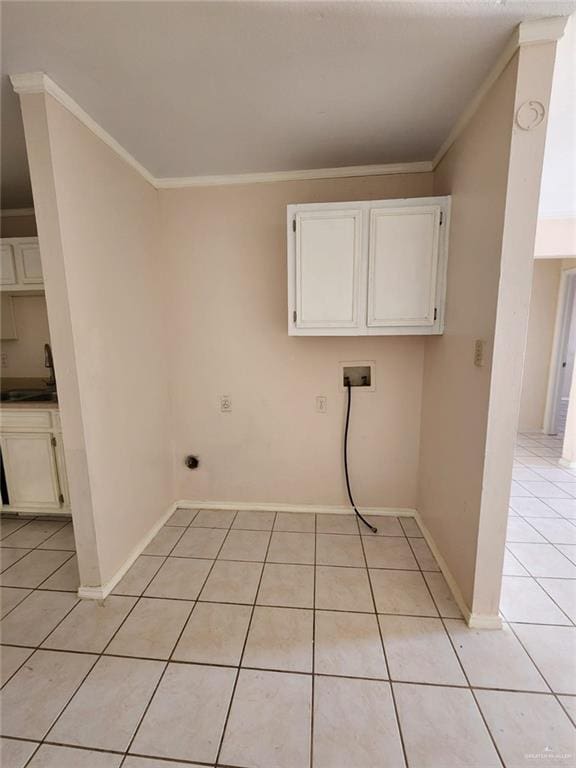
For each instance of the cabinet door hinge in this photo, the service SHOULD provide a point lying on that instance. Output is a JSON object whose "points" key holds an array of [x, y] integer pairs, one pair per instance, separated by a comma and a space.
{"points": [[61, 498], [294, 316], [53, 441], [293, 225], [435, 313], [441, 217]]}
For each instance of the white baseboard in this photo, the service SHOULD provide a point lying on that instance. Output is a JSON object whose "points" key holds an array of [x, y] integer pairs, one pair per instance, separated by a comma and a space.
{"points": [[567, 464], [474, 620], [484, 621], [103, 590], [319, 509]]}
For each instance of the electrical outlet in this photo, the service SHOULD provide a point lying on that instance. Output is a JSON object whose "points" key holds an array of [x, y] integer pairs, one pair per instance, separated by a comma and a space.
{"points": [[225, 404], [321, 404], [4, 359]]}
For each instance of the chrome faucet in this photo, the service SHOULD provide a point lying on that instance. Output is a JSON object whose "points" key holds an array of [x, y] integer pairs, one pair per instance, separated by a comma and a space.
{"points": [[49, 363]]}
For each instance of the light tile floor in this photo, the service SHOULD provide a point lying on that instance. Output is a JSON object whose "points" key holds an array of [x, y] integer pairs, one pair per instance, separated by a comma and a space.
{"points": [[264, 640]]}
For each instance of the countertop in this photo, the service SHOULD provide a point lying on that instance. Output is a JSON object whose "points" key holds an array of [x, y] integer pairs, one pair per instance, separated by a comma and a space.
{"points": [[26, 383], [22, 405]]}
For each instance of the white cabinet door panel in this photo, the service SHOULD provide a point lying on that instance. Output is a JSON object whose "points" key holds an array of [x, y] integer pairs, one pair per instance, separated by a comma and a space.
{"points": [[328, 248], [30, 467], [30, 264], [7, 265], [403, 265], [8, 329]]}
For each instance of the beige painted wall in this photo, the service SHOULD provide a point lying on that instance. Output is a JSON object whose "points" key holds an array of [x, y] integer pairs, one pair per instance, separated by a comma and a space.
{"points": [[543, 305], [535, 71], [111, 267], [455, 398], [18, 226], [225, 248], [470, 413], [35, 118], [26, 353]]}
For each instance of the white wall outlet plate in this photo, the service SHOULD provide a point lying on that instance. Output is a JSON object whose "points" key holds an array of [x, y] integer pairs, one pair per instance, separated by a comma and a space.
{"points": [[321, 404], [225, 404]]}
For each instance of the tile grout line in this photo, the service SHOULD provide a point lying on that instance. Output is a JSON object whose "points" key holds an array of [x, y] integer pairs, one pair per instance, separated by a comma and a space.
{"points": [[5, 543], [552, 543], [461, 686], [512, 624], [165, 557], [461, 665], [98, 658], [39, 647], [167, 661], [552, 691], [535, 579], [312, 702], [235, 685], [392, 692], [527, 520], [123, 753], [263, 566]]}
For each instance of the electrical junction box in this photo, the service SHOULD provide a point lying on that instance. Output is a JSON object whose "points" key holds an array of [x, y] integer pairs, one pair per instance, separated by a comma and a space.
{"points": [[359, 374]]}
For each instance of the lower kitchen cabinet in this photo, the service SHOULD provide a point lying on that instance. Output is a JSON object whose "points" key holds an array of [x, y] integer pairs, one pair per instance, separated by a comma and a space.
{"points": [[33, 460]]}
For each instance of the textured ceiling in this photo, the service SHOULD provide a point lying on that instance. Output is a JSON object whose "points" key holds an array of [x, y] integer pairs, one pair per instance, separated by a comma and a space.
{"points": [[222, 88]]}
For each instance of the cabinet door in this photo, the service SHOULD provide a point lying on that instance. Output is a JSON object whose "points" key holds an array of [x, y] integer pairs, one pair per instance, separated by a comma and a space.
{"points": [[403, 266], [30, 266], [7, 318], [7, 265], [30, 466], [328, 248]]}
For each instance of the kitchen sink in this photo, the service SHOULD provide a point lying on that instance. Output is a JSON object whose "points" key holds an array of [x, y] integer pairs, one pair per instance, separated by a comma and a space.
{"points": [[29, 396]]}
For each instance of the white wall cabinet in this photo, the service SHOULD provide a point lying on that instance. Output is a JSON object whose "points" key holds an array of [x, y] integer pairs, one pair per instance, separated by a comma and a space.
{"points": [[20, 264], [33, 457], [367, 268]]}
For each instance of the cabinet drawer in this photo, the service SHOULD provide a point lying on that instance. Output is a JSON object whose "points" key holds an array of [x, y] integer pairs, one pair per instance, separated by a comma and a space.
{"points": [[32, 420]]}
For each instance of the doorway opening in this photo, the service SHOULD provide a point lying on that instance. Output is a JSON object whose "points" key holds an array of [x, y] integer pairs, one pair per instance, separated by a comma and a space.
{"points": [[562, 357]]}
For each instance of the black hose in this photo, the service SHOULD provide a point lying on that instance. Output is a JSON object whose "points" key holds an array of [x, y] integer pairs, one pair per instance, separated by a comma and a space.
{"points": [[372, 528]]}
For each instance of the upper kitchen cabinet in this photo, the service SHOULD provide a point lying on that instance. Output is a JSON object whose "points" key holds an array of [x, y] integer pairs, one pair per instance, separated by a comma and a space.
{"points": [[367, 268], [20, 266]]}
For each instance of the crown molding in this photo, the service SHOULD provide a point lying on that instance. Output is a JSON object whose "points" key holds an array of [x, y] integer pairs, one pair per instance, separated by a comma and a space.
{"points": [[38, 82], [313, 173], [8, 212], [541, 30], [526, 33]]}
